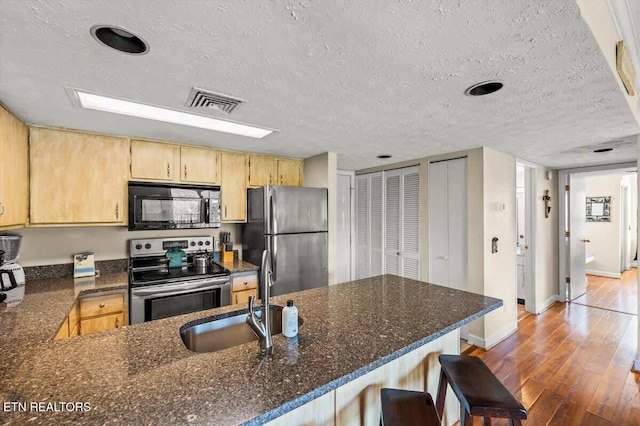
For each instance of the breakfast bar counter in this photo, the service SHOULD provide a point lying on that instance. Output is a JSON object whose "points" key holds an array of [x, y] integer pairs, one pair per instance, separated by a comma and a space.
{"points": [[143, 374]]}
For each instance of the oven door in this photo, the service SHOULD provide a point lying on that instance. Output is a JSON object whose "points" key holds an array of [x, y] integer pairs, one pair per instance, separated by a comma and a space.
{"points": [[165, 300]]}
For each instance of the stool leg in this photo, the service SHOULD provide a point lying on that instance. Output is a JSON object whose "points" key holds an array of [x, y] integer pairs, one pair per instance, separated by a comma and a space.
{"points": [[515, 422], [486, 421], [442, 393], [465, 418]]}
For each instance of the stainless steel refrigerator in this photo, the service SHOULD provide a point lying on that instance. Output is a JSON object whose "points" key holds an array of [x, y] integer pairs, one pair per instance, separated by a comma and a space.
{"points": [[292, 223]]}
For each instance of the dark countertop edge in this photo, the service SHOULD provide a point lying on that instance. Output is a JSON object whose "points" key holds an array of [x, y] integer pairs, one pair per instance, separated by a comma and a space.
{"points": [[328, 387]]}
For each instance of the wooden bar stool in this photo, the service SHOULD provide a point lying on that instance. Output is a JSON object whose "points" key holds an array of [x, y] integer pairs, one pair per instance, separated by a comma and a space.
{"points": [[479, 391], [407, 408]]}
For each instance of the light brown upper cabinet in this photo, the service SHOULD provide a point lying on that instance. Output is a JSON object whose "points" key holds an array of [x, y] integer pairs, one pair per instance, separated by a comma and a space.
{"points": [[78, 178], [262, 171], [199, 165], [14, 160], [152, 160], [289, 172], [234, 187]]}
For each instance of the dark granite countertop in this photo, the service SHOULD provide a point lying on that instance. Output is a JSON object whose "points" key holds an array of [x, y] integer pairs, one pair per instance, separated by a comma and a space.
{"points": [[237, 265], [143, 374]]}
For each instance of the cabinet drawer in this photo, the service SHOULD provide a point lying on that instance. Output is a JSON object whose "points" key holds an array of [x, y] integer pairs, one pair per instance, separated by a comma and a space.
{"points": [[242, 297], [103, 323], [245, 282], [101, 305]]}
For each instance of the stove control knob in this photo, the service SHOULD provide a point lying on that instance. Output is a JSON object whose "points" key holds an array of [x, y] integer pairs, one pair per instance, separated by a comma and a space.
{"points": [[147, 246], [193, 243], [138, 246], [199, 243], [208, 243]]}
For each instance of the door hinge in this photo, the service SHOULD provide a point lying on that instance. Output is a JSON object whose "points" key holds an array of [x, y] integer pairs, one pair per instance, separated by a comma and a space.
{"points": [[567, 234], [568, 280], [566, 187]]}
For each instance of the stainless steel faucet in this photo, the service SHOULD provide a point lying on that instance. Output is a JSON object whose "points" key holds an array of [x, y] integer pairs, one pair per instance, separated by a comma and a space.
{"points": [[262, 327]]}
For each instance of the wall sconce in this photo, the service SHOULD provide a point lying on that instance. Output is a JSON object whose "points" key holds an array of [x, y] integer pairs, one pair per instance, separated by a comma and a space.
{"points": [[547, 203]]}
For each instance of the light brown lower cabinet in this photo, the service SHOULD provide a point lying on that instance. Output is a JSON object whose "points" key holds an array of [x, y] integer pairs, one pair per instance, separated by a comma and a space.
{"points": [[94, 313], [242, 297], [103, 323], [357, 402]]}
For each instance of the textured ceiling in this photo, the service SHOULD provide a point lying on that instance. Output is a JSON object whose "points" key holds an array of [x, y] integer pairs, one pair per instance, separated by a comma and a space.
{"points": [[359, 78]]}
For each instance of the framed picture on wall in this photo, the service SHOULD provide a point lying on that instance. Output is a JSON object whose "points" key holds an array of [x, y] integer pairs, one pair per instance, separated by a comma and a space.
{"points": [[598, 209]]}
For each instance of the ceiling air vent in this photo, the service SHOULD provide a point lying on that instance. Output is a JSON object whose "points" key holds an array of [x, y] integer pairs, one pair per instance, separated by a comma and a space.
{"points": [[199, 98]]}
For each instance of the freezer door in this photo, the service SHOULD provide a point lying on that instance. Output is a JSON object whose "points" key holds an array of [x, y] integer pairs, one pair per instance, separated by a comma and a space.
{"points": [[299, 262], [294, 209]]}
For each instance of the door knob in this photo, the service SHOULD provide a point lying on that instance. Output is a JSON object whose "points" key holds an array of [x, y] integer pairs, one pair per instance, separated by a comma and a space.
{"points": [[586, 241], [526, 246]]}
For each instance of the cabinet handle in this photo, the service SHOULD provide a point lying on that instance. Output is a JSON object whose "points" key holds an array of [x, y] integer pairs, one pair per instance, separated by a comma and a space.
{"points": [[236, 302], [117, 322], [102, 305], [225, 211], [1, 210], [168, 169], [270, 179], [117, 210], [185, 171], [280, 179]]}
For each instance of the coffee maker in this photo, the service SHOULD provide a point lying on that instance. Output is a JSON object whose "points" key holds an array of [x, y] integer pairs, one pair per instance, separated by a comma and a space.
{"points": [[12, 278]]}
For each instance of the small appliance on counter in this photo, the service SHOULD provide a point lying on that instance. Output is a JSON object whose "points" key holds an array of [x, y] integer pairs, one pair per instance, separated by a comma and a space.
{"points": [[12, 278], [84, 265], [174, 276]]}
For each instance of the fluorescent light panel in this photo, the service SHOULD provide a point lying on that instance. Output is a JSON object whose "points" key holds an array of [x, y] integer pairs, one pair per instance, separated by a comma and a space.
{"points": [[135, 109]]}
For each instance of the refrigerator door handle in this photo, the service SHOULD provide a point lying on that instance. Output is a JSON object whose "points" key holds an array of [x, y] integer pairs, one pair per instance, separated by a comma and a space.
{"points": [[274, 258], [272, 202]]}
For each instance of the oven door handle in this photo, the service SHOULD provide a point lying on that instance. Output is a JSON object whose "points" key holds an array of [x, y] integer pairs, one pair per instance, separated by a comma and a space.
{"points": [[166, 289]]}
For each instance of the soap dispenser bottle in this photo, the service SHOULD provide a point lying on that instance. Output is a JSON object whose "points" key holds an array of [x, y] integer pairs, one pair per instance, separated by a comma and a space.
{"points": [[290, 320]]}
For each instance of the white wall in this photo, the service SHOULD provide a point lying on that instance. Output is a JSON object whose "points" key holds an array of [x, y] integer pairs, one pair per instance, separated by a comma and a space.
{"points": [[499, 175], [546, 241], [51, 246], [321, 171], [604, 236]]}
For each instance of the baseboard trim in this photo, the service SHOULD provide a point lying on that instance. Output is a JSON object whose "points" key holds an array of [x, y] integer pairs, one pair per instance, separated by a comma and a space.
{"points": [[493, 339], [547, 303], [636, 366], [604, 273], [634, 264]]}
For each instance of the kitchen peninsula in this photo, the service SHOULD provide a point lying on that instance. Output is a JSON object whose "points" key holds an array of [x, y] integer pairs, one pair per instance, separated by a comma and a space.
{"points": [[143, 374]]}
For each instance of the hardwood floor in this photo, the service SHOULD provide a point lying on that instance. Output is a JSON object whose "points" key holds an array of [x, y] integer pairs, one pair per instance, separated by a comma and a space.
{"points": [[616, 294], [571, 365]]}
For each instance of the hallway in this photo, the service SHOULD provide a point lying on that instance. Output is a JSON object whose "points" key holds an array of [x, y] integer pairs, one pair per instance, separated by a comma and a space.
{"points": [[619, 295], [571, 365]]}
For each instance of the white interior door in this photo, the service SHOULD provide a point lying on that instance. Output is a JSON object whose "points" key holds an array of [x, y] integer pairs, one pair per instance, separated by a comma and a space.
{"points": [[376, 221], [393, 231], [343, 272], [410, 249], [363, 252], [576, 247], [438, 224], [457, 213]]}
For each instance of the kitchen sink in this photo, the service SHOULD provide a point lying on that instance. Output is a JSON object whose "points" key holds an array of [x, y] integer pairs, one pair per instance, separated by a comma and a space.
{"points": [[211, 334]]}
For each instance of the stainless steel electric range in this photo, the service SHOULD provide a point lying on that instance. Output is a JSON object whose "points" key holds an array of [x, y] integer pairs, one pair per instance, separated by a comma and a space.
{"points": [[158, 291]]}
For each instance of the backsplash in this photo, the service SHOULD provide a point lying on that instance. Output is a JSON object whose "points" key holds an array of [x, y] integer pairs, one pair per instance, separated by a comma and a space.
{"points": [[47, 272], [56, 246]]}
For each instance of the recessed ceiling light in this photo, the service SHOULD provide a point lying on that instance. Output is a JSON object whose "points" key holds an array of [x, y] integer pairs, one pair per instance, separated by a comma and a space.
{"points": [[135, 109], [119, 39], [484, 88], [602, 150], [384, 156]]}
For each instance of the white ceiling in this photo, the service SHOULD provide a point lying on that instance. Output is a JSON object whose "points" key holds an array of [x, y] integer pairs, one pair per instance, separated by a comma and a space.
{"points": [[359, 78]]}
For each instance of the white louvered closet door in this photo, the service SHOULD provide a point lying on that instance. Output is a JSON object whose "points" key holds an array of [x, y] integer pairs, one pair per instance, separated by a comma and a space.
{"points": [[363, 254], [392, 219], [410, 249], [376, 223]]}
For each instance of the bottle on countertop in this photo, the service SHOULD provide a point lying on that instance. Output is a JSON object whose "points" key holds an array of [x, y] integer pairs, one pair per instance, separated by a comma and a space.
{"points": [[290, 320]]}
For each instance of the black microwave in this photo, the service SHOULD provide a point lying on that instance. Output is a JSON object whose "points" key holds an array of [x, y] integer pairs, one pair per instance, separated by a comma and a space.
{"points": [[173, 206]]}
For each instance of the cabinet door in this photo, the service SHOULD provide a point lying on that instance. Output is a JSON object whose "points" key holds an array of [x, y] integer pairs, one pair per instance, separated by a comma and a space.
{"points": [[289, 172], [151, 160], [242, 297], [262, 171], [199, 165], [234, 188], [63, 333], [13, 170], [78, 178], [103, 323]]}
